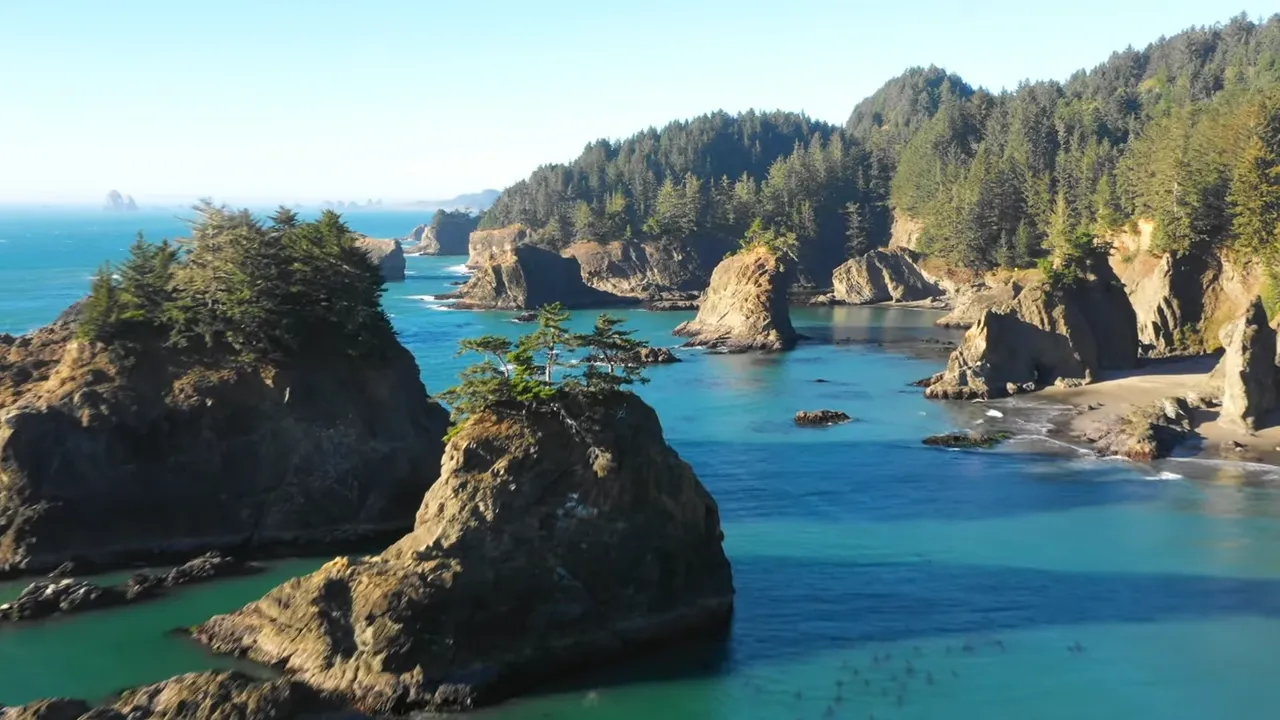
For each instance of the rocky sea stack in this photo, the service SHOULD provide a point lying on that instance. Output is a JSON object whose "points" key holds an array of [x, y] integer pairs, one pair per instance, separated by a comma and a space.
{"points": [[1248, 369], [745, 307], [526, 277], [523, 564], [388, 255], [448, 233], [212, 402], [1048, 334], [644, 270]]}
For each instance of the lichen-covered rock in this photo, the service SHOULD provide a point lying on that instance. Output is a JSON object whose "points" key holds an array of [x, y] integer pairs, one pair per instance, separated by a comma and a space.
{"points": [[388, 255], [110, 457], [1045, 335], [1146, 433], [556, 537], [882, 276], [1248, 369], [817, 418], [528, 277], [745, 307]]}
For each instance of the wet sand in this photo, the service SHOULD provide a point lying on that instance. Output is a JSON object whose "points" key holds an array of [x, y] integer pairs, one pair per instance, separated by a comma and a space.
{"points": [[1117, 393]]}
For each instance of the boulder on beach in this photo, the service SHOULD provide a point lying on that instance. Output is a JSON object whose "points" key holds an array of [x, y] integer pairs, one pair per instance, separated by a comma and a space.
{"points": [[1145, 433], [745, 307], [557, 537]]}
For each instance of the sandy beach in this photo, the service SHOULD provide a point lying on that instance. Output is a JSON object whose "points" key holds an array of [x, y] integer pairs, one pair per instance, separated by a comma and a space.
{"points": [[1118, 392]]}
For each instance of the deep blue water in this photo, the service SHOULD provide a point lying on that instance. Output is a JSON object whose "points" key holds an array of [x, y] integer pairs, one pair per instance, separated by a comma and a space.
{"points": [[855, 549]]}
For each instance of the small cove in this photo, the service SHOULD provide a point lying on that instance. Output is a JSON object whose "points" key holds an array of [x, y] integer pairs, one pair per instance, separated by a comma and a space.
{"points": [[849, 543]]}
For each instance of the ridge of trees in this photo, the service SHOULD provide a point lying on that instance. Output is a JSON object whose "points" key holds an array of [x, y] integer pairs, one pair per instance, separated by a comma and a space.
{"points": [[1182, 132], [246, 287]]}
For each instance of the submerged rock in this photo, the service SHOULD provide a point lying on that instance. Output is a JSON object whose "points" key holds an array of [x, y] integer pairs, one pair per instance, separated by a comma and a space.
{"points": [[882, 276], [111, 457], [1045, 336], [1146, 433], [967, 440], [388, 255], [821, 417], [526, 278], [745, 307], [524, 563], [1248, 369]]}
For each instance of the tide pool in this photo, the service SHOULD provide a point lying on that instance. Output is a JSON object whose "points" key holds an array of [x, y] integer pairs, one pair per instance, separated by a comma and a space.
{"points": [[876, 577]]}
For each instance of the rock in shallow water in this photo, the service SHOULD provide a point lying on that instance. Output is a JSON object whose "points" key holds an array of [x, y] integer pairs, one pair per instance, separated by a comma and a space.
{"points": [[821, 417], [745, 307], [656, 356], [967, 440], [524, 563]]}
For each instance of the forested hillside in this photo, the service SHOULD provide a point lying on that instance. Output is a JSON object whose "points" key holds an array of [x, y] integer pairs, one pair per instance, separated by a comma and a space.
{"points": [[1186, 132]]}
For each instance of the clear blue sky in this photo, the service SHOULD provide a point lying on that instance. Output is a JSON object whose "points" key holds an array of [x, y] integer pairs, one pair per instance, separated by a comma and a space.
{"points": [[252, 100]]}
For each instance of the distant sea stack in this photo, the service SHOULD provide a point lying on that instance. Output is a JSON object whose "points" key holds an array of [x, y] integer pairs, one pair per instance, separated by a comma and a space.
{"points": [[745, 307], [117, 202], [556, 538], [448, 233]]}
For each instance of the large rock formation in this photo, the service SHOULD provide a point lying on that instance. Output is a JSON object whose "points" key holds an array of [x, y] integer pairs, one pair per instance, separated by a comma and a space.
{"points": [[387, 254], [883, 276], [1248, 369], [643, 270], [110, 457], [1044, 336], [745, 307], [554, 538], [483, 246], [527, 277], [448, 233], [970, 302]]}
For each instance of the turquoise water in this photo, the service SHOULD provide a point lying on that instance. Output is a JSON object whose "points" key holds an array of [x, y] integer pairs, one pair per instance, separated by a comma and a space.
{"points": [[855, 549]]}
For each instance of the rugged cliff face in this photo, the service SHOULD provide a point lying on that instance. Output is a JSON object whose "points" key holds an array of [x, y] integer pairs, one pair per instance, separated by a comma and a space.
{"points": [[449, 239], [1044, 336], [745, 307], [883, 276], [483, 246], [526, 278], [644, 270], [109, 457], [523, 563], [1182, 302], [388, 254]]}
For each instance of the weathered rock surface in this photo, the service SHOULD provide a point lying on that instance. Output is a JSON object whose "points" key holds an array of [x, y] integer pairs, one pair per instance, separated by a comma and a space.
{"points": [[388, 254], [51, 597], [817, 418], [1145, 433], [528, 277], [882, 276], [656, 356], [642, 270], [967, 440], [1042, 337], [110, 459], [483, 246], [524, 563], [51, 709], [223, 696], [1248, 369], [745, 307]]}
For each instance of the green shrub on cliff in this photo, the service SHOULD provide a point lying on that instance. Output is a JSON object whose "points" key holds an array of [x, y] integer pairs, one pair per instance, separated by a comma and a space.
{"points": [[533, 369], [244, 289]]}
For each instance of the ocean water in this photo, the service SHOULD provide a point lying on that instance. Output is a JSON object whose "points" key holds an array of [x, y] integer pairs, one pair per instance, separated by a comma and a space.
{"points": [[876, 578]]}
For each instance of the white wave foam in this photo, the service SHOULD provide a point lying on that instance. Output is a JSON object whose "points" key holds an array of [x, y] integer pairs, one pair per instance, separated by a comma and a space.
{"points": [[995, 413], [459, 269], [442, 307], [1164, 475], [423, 298]]}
